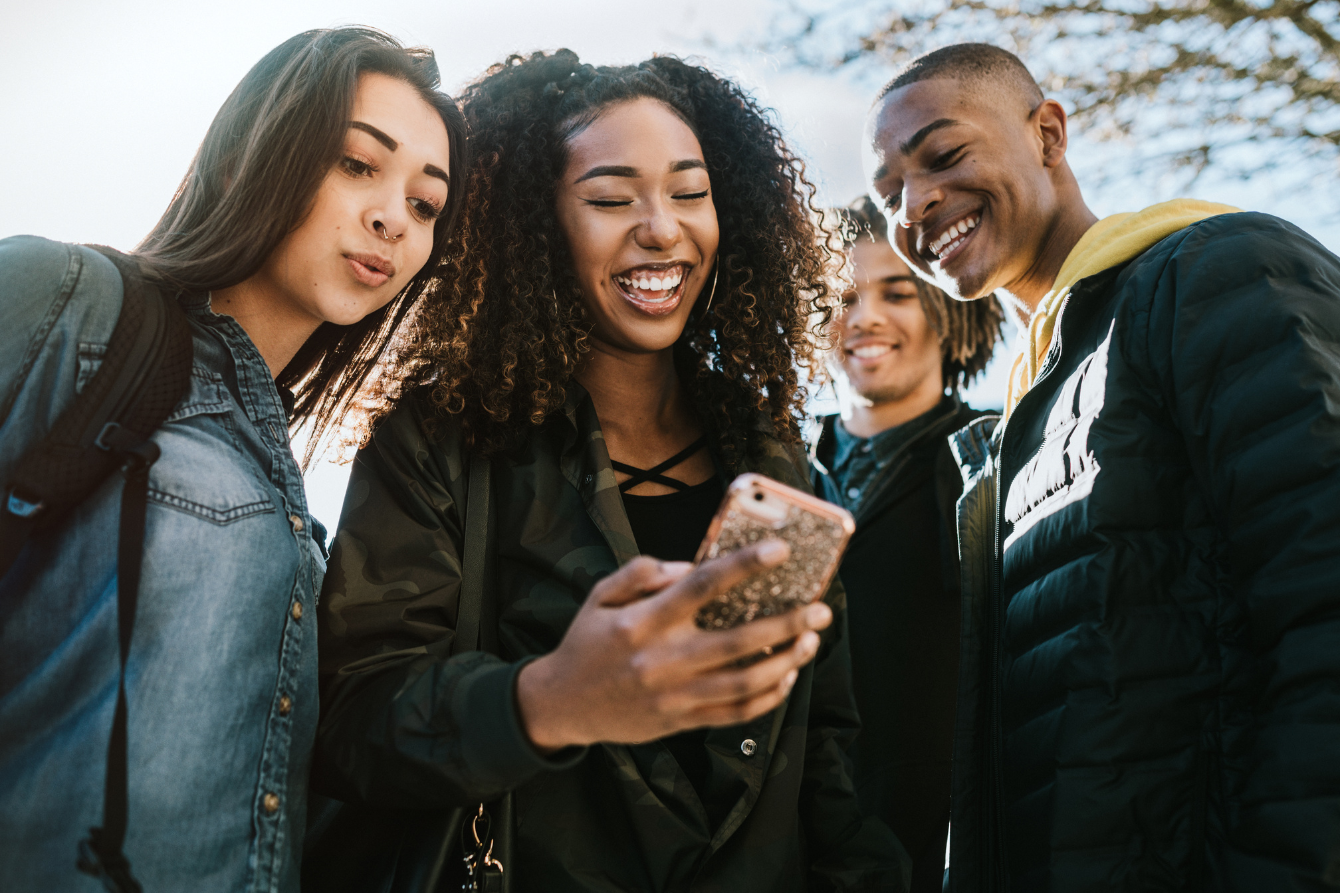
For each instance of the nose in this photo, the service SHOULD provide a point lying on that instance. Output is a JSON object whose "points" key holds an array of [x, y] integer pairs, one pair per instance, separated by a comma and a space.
{"points": [[918, 198], [659, 229], [388, 217], [858, 316]]}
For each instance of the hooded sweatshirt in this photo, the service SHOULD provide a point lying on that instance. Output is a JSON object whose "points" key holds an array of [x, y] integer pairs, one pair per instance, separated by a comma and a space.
{"points": [[1109, 242]]}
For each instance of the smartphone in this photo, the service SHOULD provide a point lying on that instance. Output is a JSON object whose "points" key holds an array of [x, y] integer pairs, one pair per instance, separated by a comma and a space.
{"points": [[756, 508]]}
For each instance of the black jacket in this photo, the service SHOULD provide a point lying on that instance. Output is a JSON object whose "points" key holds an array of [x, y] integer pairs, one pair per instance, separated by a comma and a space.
{"points": [[1150, 682], [901, 574]]}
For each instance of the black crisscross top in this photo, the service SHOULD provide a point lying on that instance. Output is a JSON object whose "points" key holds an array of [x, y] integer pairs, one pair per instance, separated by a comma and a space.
{"points": [[654, 475], [670, 526]]}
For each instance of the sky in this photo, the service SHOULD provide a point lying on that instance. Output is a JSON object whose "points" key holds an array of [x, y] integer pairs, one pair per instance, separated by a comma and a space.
{"points": [[105, 103]]}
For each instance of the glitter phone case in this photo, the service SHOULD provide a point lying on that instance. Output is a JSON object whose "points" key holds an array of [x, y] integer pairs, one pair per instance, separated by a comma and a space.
{"points": [[756, 508]]}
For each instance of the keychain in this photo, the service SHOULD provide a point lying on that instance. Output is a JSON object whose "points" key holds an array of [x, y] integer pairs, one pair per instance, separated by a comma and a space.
{"points": [[481, 869]]}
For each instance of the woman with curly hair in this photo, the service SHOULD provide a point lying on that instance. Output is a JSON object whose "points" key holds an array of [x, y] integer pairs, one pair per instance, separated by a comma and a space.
{"points": [[615, 336]]}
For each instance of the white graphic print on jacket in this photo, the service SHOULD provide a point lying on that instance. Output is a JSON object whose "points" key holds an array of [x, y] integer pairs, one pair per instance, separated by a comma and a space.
{"points": [[1064, 470]]}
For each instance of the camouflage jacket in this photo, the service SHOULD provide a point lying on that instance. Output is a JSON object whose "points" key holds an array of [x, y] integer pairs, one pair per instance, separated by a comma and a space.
{"points": [[404, 726]]}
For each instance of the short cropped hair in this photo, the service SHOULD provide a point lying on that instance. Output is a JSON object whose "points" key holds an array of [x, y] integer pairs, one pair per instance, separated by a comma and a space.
{"points": [[968, 330], [978, 64]]}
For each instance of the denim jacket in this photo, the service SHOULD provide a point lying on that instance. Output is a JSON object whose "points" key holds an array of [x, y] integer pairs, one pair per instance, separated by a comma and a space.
{"points": [[221, 680]]}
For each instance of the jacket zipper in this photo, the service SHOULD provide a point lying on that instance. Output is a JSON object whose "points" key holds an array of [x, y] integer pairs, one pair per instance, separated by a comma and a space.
{"points": [[996, 744]]}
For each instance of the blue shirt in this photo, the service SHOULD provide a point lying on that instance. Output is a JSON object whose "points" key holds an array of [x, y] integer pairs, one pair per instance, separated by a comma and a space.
{"points": [[221, 680]]}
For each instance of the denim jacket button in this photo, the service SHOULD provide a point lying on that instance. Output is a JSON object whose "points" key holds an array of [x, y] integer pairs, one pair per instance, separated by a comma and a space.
{"points": [[748, 746], [271, 803], [285, 705], [297, 610], [296, 521]]}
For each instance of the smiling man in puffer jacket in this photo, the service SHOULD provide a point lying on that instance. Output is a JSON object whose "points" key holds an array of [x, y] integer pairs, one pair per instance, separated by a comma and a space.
{"points": [[1150, 678]]}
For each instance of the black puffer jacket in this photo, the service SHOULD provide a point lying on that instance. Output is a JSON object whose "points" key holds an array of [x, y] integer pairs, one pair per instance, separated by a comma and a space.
{"points": [[1150, 685]]}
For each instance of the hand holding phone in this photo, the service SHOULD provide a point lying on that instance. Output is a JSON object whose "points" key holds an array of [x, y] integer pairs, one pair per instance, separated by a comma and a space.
{"points": [[757, 508]]}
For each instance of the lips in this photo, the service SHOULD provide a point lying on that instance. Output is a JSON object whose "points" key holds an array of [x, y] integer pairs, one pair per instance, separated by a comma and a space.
{"points": [[952, 237], [869, 354], [370, 269], [655, 289]]}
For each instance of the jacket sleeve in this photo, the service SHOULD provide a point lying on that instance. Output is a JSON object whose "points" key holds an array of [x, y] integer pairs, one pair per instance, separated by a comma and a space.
{"points": [[1246, 326], [847, 851], [402, 724]]}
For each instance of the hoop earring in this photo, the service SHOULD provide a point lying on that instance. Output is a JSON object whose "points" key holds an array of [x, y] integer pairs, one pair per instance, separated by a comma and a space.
{"points": [[716, 271]]}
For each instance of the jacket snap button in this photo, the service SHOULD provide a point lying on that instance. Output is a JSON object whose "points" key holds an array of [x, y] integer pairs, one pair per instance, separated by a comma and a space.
{"points": [[853, 493], [271, 803], [296, 521], [297, 610], [748, 746], [285, 705]]}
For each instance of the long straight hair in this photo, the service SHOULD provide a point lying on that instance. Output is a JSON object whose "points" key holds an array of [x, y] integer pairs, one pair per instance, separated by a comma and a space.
{"points": [[255, 178]]}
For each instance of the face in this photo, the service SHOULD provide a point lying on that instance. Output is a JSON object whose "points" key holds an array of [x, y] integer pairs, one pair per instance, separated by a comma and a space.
{"points": [[338, 265], [965, 179], [635, 204], [886, 346]]}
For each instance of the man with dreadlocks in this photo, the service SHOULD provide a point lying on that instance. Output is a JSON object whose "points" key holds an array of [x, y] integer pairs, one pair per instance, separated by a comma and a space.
{"points": [[904, 349]]}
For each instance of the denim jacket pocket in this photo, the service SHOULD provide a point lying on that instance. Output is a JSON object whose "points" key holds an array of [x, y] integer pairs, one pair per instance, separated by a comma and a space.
{"points": [[202, 470]]}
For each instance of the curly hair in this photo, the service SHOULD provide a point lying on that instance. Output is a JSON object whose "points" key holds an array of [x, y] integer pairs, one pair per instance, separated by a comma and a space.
{"points": [[968, 330], [497, 344]]}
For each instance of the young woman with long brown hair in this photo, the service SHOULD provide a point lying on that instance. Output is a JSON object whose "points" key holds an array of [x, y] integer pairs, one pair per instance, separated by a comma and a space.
{"points": [[616, 334], [304, 231]]}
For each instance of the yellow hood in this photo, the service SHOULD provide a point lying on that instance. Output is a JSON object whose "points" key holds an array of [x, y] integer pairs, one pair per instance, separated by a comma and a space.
{"points": [[1109, 242]]}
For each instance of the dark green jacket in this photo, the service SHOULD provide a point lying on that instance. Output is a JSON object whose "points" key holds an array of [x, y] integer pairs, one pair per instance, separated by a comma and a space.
{"points": [[404, 726]]}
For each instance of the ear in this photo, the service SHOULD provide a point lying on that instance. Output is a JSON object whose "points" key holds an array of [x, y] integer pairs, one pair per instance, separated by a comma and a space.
{"points": [[1049, 122]]}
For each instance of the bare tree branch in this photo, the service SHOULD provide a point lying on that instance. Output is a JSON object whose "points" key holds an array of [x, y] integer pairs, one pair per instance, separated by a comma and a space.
{"points": [[1190, 84]]}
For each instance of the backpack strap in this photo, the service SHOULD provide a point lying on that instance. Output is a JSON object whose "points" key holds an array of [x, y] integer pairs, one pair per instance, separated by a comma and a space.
{"points": [[143, 375], [470, 606]]}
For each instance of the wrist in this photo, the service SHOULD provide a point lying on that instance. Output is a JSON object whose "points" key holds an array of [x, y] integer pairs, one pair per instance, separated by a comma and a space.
{"points": [[537, 701]]}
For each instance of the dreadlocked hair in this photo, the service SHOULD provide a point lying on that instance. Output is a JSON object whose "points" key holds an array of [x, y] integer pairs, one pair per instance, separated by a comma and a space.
{"points": [[495, 347], [968, 330]]}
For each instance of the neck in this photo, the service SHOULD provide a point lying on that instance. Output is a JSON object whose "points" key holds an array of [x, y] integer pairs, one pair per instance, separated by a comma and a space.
{"points": [[276, 333], [1071, 224], [869, 418], [637, 396]]}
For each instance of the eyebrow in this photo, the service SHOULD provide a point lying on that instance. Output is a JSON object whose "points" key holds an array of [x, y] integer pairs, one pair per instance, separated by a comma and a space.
{"points": [[919, 137], [376, 134], [386, 140], [620, 170]]}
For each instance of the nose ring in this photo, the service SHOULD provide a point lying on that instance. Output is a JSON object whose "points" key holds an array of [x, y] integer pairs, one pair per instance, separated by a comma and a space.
{"points": [[381, 228]]}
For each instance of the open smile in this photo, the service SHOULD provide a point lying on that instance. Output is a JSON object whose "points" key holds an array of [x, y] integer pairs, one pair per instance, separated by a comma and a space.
{"points": [[655, 289], [868, 355], [952, 238]]}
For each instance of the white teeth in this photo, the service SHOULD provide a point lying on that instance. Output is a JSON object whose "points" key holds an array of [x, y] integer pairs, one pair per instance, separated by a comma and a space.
{"points": [[871, 351], [950, 238], [653, 283]]}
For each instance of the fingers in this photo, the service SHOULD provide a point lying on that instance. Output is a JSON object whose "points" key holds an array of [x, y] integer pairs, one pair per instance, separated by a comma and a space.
{"points": [[738, 685], [636, 580], [715, 648], [712, 578], [731, 714]]}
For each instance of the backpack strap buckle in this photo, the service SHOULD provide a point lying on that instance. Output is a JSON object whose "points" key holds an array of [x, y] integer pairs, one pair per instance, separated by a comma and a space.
{"points": [[22, 507]]}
